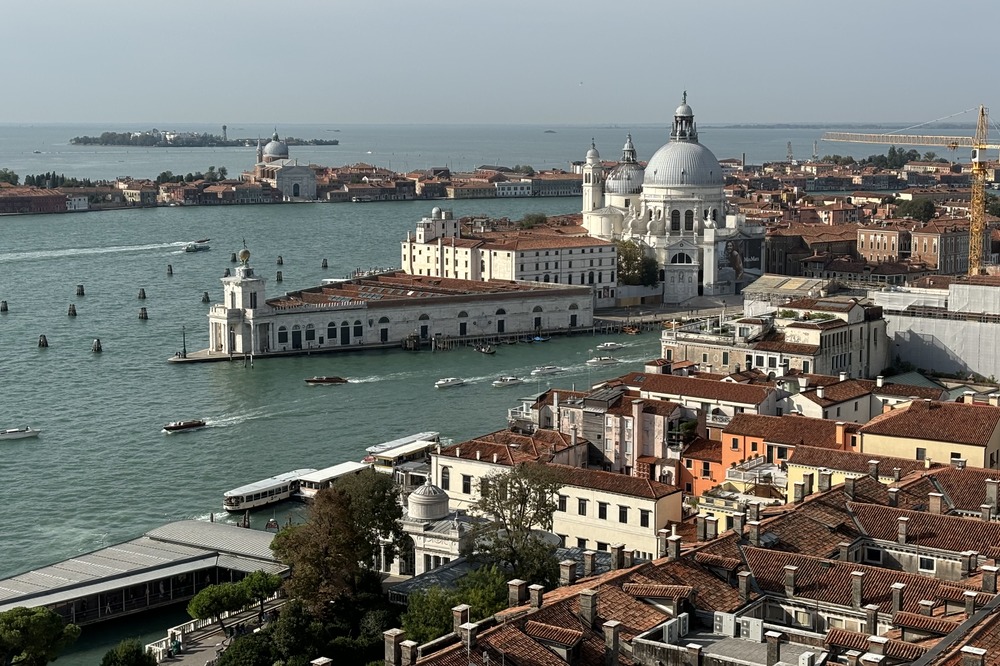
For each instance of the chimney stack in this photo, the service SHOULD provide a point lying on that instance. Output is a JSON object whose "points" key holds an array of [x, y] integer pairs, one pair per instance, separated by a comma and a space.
{"points": [[840, 434], [970, 602], [617, 550], [612, 630], [661, 543], [393, 651], [843, 376], [873, 469], [926, 607], [989, 578], [567, 572], [798, 492], [893, 497], [517, 592], [773, 647], [744, 579], [739, 523], [807, 479], [699, 524], [857, 589], [973, 656], [880, 381], [991, 492], [897, 597], [468, 634], [820, 393], [711, 528], [849, 487], [935, 503], [844, 551], [897, 474], [966, 558], [588, 608], [674, 547], [753, 510], [754, 536], [876, 643], [790, 580], [986, 512], [459, 616], [825, 479], [871, 620], [901, 525], [535, 593], [408, 650], [589, 557]]}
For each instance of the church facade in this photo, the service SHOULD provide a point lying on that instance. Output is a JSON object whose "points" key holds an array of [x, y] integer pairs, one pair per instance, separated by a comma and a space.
{"points": [[675, 210], [295, 182]]}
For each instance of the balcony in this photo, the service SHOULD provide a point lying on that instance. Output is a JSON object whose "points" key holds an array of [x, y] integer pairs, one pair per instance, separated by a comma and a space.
{"points": [[758, 471]]}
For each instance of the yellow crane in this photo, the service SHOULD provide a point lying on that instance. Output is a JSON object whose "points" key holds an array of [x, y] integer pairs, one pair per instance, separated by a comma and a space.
{"points": [[979, 146]]}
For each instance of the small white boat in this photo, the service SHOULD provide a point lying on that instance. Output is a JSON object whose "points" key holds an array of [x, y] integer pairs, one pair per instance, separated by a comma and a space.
{"points": [[449, 381], [546, 370], [603, 360], [610, 346], [197, 246], [19, 433], [508, 380]]}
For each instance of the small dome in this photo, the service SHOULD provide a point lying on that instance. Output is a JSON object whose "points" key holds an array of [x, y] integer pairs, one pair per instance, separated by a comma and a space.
{"points": [[276, 148], [244, 255], [681, 163], [435, 213], [427, 502], [592, 154], [626, 178], [684, 110]]}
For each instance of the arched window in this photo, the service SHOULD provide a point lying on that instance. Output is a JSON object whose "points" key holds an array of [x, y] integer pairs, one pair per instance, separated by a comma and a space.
{"points": [[423, 317], [501, 311], [689, 220], [282, 335], [681, 258], [383, 320], [445, 478], [569, 278], [310, 332], [675, 220], [545, 278], [574, 306], [590, 278], [295, 190], [331, 330], [358, 328], [463, 314], [537, 308]]}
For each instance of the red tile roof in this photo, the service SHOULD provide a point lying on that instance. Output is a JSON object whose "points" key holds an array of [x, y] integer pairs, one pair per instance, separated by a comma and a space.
{"points": [[704, 449], [851, 461], [512, 448], [654, 591], [613, 482], [936, 625], [937, 421], [964, 489], [550, 633], [692, 387], [926, 530], [852, 640], [790, 430]]}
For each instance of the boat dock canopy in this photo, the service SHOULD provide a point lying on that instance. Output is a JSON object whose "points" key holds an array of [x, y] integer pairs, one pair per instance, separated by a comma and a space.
{"points": [[403, 441], [334, 472], [175, 548]]}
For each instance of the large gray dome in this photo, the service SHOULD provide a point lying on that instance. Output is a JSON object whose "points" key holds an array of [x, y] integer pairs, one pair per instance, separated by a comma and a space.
{"points": [[683, 163], [276, 148], [427, 502], [625, 179]]}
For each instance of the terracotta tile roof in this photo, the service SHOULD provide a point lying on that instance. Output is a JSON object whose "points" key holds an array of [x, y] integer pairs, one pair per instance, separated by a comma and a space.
{"points": [[964, 489], [780, 346], [938, 421], [713, 593], [719, 561], [852, 640], [654, 591], [830, 581], [849, 389], [691, 387], [936, 625], [548, 632], [926, 530], [851, 461], [790, 430], [910, 391], [613, 482], [985, 636], [512, 448], [704, 449]]}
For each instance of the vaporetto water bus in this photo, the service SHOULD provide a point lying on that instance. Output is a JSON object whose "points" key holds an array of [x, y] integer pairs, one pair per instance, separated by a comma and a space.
{"points": [[312, 483], [264, 492]]}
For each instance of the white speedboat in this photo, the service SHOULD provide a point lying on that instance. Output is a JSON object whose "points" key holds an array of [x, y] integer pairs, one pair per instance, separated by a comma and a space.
{"points": [[197, 246], [446, 382], [609, 346], [546, 370], [508, 380], [19, 433], [603, 360]]}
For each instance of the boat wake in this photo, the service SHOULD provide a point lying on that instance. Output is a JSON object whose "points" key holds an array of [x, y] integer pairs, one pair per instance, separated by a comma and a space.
{"points": [[37, 255]]}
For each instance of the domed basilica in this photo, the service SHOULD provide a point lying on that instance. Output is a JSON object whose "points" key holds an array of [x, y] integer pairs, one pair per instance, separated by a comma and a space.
{"points": [[676, 211], [295, 182]]}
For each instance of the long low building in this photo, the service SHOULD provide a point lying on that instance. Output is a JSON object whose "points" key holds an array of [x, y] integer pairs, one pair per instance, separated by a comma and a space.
{"points": [[165, 566], [384, 310]]}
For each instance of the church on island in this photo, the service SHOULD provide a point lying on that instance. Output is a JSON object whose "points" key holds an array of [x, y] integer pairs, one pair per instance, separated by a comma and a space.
{"points": [[383, 310], [675, 210], [296, 182]]}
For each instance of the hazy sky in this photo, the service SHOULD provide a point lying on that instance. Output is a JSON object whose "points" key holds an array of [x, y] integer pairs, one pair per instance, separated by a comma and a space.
{"points": [[537, 62]]}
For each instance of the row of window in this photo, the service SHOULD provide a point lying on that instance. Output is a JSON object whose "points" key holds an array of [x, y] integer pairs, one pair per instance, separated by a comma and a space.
{"points": [[584, 544], [602, 510]]}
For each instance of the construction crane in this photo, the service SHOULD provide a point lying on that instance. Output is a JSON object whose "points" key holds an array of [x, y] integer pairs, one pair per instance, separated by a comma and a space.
{"points": [[979, 146]]}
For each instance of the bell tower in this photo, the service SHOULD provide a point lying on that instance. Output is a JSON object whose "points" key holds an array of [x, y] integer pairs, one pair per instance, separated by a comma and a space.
{"points": [[593, 180]]}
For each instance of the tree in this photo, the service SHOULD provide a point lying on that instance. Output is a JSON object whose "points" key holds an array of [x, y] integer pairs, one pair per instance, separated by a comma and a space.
{"points": [[129, 652], [485, 590], [993, 205], [518, 502], [532, 220], [634, 267], [223, 172], [428, 613], [215, 600], [376, 513], [8, 176], [33, 636], [249, 650], [259, 585], [918, 209]]}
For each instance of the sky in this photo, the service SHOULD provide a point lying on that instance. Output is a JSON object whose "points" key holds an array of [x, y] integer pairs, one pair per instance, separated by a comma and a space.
{"points": [[542, 62]]}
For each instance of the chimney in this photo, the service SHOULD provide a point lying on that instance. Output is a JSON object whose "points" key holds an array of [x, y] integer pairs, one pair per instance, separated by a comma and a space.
{"points": [[969, 397], [986, 512], [588, 608], [627, 559], [468, 634], [873, 469], [973, 656], [517, 592], [459, 616], [773, 647], [612, 629], [393, 653], [871, 620], [853, 658], [555, 409], [970, 602], [739, 524], [935, 502], [926, 607], [572, 437], [699, 523], [880, 381], [567, 572], [849, 487], [588, 563], [927, 463], [843, 376], [744, 578], [901, 524], [479, 454], [857, 589], [408, 649], [994, 399], [989, 578], [876, 643], [494, 459], [807, 479], [711, 528], [790, 580], [807, 659], [844, 549], [535, 593], [753, 510], [824, 481], [754, 527], [966, 557], [617, 560], [991, 492], [799, 492], [897, 597], [820, 392], [674, 547], [693, 654], [894, 497], [661, 543], [840, 434], [897, 474]]}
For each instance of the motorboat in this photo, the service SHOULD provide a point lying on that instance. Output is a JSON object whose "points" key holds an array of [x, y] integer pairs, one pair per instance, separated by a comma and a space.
{"points": [[631, 330], [507, 380], [540, 338], [266, 491], [489, 350], [19, 433], [603, 360], [447, 382], [325, 380], [546, 370], [178, 426], [197, 246], [610, 346]]}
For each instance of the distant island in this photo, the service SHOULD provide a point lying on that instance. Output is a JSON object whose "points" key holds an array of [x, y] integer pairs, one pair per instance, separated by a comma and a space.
{"points": [[157, 139]]}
